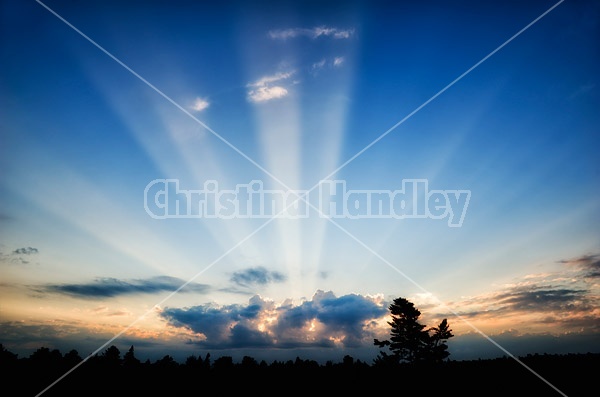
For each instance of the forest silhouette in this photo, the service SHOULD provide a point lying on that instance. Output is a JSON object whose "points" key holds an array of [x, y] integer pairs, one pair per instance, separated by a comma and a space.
{"points": [[418, 364], [112, 374]]}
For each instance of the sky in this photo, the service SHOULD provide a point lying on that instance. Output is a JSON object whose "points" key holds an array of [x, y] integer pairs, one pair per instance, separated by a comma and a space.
{"points": [[447, 153]]}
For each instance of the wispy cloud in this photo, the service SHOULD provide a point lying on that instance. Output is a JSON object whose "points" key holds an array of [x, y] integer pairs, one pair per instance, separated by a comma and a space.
{"points": [[531, 307], [269, 87], [324, 321], [560, 301], [111, 287], [313, 33], [25, 251], [588, 264], [544, 298], [318, 65], [338, 61], [256, 276], [200, 104], [19, 255], [335, 62], [525, 298]]}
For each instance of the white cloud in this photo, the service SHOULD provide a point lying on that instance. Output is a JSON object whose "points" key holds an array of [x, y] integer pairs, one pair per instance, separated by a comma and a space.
{"points": [[313, 33], [335, 62], [269, 87], [318, 65], [263, 81], [263, 94], [200, 104]]}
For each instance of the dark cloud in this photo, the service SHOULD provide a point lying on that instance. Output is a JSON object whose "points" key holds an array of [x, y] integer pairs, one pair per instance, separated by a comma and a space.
{"points": [[246, 336], [344, 315], [530, 298], [585, 322], [237, 291], [25, 251], [588, 264], [543, 298], [111, 287], [211, 321], [321, 322], [217, 322], [256, 276]]}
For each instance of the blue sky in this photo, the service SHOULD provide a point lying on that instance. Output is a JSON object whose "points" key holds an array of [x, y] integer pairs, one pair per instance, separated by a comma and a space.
{"points": [[297, 89]]}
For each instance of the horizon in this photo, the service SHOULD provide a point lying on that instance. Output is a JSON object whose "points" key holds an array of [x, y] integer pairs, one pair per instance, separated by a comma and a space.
{"points": [[264, 180]]}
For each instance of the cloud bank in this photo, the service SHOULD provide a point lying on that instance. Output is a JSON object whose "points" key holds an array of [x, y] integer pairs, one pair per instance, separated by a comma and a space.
{"points": [[324, 321]]}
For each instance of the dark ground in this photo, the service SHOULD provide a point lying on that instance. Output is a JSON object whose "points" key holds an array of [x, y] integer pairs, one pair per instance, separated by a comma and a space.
{"points": [[109, 374]]}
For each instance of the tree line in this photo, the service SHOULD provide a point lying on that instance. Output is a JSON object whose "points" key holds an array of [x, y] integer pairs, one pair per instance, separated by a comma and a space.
{"points": [[114, 374]]}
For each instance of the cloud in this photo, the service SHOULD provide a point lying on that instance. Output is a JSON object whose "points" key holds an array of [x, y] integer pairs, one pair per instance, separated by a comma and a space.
{"points": [[588, 264], [200, 104], [263, 94], [559, 306], [263, 81], [568, 299], [25, 251], [323, 321], [313, 33], [256, 276], [216, 322], [111, 287], [542, 298], [269, 87], [525, 298], [19, 255], [318, 65], [335, 62]]}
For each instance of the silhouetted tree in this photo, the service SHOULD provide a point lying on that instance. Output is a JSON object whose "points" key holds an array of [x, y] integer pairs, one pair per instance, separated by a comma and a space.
{"points": [[223, 363], [167, 362], [207, 362], [249, 362], [409, 341], [111, 356], [129, 359], [438, 341], [194, 362], [72, 358], [6, 355], [348, 360], [8, 360]]}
